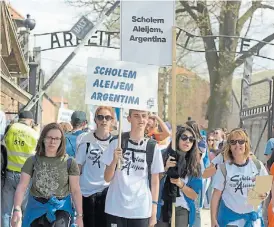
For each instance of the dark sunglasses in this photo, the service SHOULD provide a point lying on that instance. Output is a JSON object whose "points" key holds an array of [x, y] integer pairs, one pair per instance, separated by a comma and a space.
{"points": [[185, 138], [102, 117], [233, 142]]}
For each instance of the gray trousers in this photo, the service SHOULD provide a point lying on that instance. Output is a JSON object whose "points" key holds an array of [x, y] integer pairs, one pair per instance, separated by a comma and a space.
{"points": [[7, 195], [181, 218]]}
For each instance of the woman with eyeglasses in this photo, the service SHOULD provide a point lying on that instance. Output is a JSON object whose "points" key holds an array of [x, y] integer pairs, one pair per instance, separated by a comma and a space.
{"points": [[55, 181], [231, 184], [183, 180], [88, 157]]}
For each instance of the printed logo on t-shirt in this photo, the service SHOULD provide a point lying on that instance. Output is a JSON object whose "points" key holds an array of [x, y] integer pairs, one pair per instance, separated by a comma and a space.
{"points": [[133, 160], [240, 182], [95, 155]]}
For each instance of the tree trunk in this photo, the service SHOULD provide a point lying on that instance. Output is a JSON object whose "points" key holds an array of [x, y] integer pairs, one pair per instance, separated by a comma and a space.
{"points": [[219, 102]]}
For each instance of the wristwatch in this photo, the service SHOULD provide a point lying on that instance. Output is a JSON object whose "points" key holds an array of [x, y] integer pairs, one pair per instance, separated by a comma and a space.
{"points": [[79, 215]]}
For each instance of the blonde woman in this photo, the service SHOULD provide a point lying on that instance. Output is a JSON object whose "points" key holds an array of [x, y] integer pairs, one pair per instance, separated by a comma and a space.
{"points": [[234, 178]]}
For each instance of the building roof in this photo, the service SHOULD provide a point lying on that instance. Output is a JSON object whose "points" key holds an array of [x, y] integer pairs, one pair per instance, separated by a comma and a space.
{"points": [[15, 15]]}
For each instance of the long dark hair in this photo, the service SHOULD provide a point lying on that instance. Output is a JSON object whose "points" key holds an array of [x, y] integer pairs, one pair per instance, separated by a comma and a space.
{"points": [[193, 167], [40, 149]]}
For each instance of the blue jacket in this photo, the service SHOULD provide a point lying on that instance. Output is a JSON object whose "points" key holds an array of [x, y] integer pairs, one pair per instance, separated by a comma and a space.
{"points": [[36, 209], [196, 184], [225, 216]]}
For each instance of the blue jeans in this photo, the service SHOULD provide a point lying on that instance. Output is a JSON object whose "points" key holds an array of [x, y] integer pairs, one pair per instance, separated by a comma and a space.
{"points": [[9, 185]]}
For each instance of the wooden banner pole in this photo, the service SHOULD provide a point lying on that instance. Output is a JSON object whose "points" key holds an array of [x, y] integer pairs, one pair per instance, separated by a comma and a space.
{"points": [[173, 105], [120, 135]]}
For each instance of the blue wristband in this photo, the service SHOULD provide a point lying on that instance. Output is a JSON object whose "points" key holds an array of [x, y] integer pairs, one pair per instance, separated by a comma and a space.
{"points": [[154, 202]]}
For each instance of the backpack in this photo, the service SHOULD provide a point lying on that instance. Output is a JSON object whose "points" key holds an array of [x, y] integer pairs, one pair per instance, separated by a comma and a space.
{"points": [[149, 150], [71, 142], [224, 171]]}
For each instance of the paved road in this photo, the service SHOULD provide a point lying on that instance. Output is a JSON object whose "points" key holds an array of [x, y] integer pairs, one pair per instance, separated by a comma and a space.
{"points": [[205, 217]]}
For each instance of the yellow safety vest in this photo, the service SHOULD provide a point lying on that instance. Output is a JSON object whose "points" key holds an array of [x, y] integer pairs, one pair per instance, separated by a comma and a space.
{"points": [[21, 141]]}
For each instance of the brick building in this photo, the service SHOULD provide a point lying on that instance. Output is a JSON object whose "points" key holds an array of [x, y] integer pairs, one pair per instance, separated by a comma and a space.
{"points": [[14, 61], [192, 96]]}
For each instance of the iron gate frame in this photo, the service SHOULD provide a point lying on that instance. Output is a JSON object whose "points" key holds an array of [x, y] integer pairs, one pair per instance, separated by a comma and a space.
{"points": [[263, 110]]}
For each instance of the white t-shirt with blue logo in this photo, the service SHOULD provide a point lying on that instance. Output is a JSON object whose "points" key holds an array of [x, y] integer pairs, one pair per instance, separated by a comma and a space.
{"points": [[239, 180], [92, 177], [129, 195]]}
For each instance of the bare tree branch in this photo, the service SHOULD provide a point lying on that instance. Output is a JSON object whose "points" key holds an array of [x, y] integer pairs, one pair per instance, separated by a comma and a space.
{"points": [[263, 6], [253, 50], [188, 9], [244, 18], [183, 10]]}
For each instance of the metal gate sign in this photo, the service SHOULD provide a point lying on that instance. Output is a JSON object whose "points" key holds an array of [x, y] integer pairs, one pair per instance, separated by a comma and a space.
{"points": [[82, 27]]}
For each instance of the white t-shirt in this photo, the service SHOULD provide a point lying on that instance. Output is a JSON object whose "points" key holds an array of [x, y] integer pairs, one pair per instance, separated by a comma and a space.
{"points": [[129, 195], [180, 201], [92, 177], [239, 180]]}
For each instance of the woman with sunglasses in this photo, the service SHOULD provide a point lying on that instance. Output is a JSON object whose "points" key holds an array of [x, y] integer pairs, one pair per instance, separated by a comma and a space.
{"points": [[232, 182], [183, 180], [88, 157], [55, 179]]}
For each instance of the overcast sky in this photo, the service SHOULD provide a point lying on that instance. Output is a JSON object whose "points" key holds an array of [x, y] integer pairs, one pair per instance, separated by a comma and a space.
{"points": [[56, 15]]}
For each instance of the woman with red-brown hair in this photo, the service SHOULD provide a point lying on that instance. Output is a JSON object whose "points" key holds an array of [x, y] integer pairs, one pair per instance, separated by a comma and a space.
{"points": [[88, 157]]}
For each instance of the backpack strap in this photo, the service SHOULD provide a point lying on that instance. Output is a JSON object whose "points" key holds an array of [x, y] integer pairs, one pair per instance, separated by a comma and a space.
{"points": [[34, 160], [71, 145], [257, 164], [224, 171], [69, 160], [151, 144], [124, 142], [88, 145]]}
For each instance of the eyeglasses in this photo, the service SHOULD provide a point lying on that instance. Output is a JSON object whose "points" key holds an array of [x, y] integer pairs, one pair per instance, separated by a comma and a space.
{"points": [[49, 139], [102, 117], [184, 137], [233, 142]]}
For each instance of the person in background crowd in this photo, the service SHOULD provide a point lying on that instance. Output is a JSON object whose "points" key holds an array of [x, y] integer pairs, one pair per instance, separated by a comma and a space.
{"points": [[133, 191], [55, 179], [66, 127], [228, 204], [211, 145], [219, 138], [78, 122], [3, 124], [157, 129], [268, 148], [202, 197], [270, 205], [183, 179], [88, 157], [20, 141]]}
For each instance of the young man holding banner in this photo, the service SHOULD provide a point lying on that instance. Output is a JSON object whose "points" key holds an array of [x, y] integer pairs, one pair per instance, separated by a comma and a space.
{"points": [[133, 192]]}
